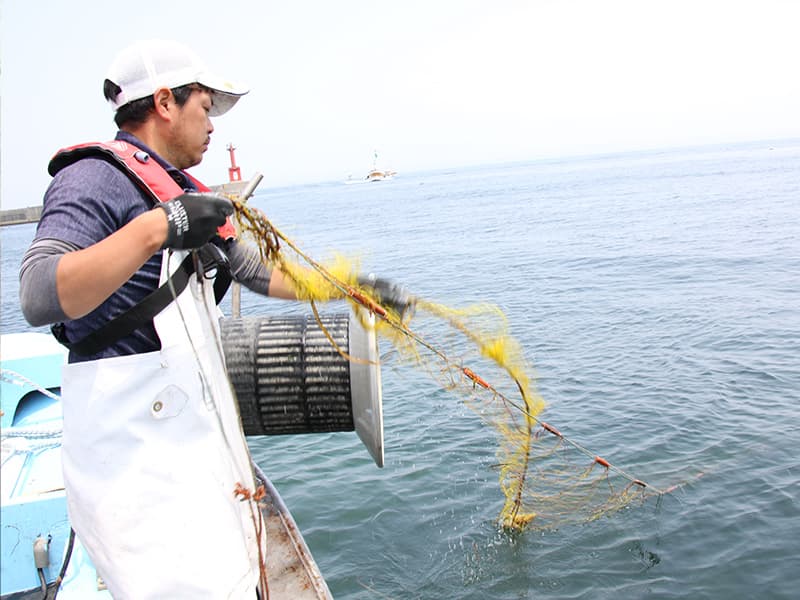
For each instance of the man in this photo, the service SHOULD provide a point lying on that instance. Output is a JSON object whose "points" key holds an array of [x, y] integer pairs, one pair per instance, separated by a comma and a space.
{"points": [[97, 227], [122, 264]]}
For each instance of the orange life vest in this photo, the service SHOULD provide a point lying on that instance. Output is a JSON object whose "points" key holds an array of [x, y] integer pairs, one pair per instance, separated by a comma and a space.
{"points": [[138, 165]]}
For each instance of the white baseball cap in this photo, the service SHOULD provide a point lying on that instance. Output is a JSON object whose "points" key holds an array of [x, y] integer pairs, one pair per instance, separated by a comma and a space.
{"points": [[145, 66]]}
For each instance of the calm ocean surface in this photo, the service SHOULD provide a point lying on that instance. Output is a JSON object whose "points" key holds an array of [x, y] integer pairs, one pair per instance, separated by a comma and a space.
{"points": [[658, 297]]}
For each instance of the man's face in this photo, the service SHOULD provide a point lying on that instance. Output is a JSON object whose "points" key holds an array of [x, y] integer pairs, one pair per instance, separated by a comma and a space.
{"points": [[190, 134]]}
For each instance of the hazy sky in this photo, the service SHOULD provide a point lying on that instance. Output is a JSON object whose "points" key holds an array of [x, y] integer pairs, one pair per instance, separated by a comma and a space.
{"points": [[428, 84]]}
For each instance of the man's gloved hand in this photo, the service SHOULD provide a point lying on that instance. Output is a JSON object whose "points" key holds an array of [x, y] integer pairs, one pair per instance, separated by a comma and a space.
{"points": [[389, 294], [193, 218]]}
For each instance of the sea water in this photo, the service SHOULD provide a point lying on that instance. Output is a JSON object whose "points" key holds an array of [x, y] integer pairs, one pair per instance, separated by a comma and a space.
{"points": [[657, 296]]}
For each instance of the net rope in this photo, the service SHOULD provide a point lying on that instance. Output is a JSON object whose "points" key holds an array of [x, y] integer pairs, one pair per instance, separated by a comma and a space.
{"points": [[547, 479]]}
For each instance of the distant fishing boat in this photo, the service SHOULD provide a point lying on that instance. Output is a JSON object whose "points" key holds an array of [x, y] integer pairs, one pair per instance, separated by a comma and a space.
{"points": [[377, 174]]}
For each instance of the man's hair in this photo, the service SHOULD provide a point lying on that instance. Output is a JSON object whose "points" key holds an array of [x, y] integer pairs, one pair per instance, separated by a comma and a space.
{"points": [[135, 112]]}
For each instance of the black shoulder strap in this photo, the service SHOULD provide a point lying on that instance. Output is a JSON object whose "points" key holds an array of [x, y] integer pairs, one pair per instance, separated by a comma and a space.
{"points": [[126, 323], [222, 282]]}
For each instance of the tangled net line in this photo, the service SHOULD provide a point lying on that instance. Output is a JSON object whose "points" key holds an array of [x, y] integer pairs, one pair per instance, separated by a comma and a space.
{"points": [[543, 483]]}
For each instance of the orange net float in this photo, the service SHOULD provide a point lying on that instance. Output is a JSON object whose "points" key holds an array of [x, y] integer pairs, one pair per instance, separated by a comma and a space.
{"points": [[551, 429], [602, 461], [476, 378]]}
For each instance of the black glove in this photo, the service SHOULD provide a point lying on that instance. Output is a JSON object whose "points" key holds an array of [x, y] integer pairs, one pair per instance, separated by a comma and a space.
{"points": [[389, 294], [193, 218]]}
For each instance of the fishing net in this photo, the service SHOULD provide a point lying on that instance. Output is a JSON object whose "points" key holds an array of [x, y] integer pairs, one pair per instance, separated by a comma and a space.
{"points": [[546, 478]]}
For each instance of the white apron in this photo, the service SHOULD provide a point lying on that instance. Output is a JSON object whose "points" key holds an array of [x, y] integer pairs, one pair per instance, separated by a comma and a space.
{"points": [[153, 451]]}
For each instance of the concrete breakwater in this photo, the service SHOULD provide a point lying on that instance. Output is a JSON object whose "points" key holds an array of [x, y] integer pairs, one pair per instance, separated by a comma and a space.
{"points": [[17, 216]]}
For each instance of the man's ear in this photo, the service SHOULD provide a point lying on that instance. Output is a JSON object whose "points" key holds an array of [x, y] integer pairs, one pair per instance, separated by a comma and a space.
{"points": [[162, 99]]}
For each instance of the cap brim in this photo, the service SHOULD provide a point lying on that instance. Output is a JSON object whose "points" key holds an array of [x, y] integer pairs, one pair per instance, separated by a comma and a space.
{"points": [[222, 102], [225, 93]]}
